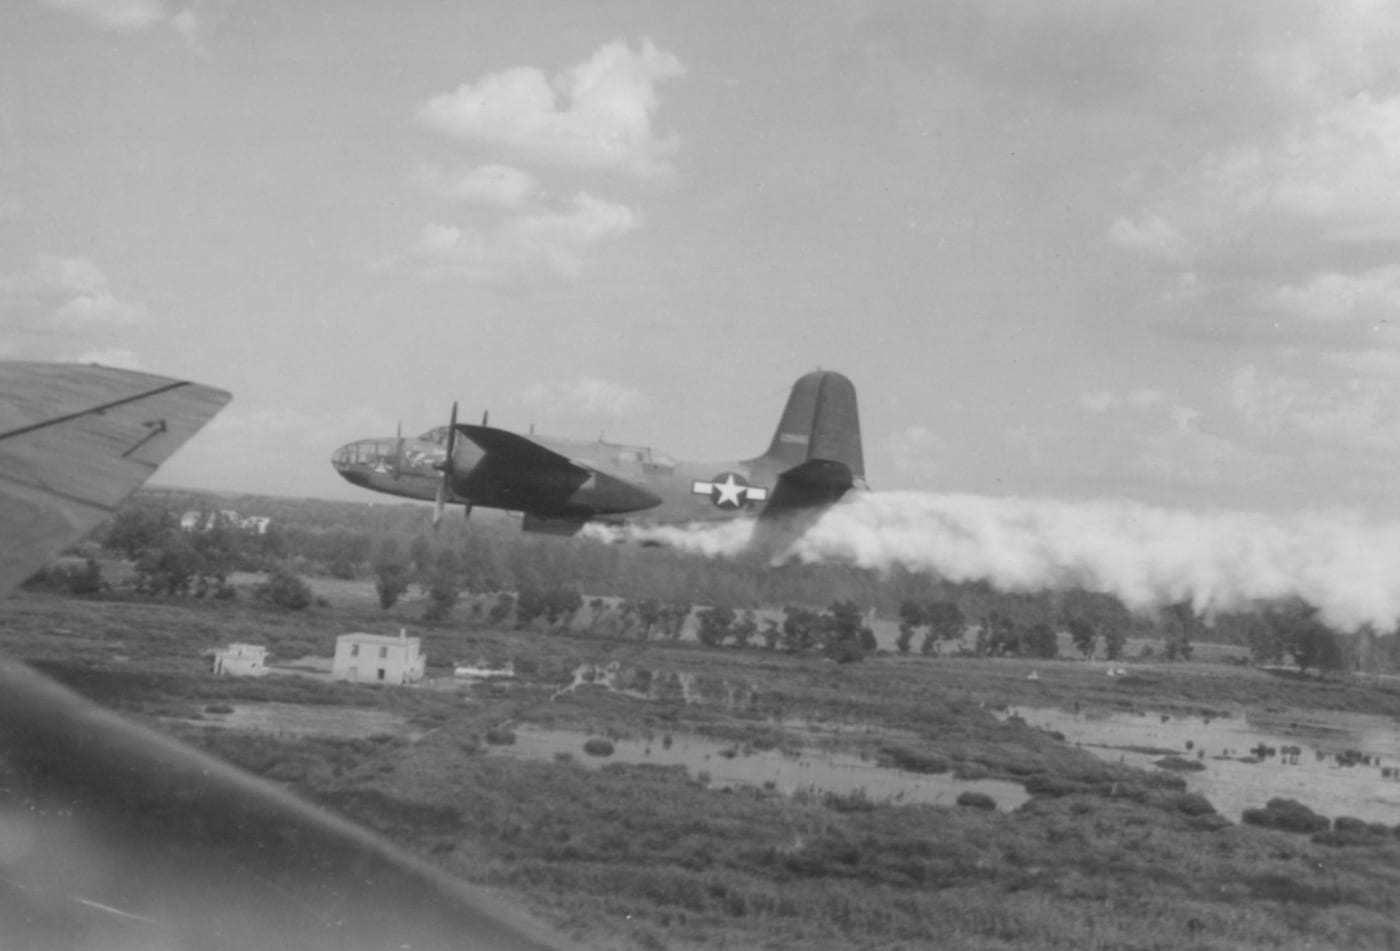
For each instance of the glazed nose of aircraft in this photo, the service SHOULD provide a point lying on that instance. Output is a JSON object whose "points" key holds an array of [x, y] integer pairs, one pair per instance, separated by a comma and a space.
{"points": [[355, 461]]}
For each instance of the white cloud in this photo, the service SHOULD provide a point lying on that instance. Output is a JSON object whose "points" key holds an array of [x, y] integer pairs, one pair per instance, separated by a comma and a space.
{"points": [[519, 243], [1345, 413], [495, 186], [586, 396], [604, 120], [1306, 134], [1151, 234], [1338, 167], [65, 294], [1334, 297], [132, 15]]}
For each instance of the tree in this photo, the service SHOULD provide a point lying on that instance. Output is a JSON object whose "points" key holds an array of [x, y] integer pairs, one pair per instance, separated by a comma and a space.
{"points": [[1083, 634], [911, 618], [744, 629], [529, 604], [168, 567], [1039, 640], [800, 627], [284, 589], [1002, 635], [1311, 643], [771, 634], [946, 620], [560, 606], [1180, 623], [137, 529], [716, 624], [420, 555], [648, 614], [390, 581], [444, 587], [845, 637], [673, 617], [1114, 640], [505, 603]]}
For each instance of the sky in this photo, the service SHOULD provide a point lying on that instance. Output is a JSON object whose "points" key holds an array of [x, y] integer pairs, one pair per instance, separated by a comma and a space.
{"points": [[1129, 251]]}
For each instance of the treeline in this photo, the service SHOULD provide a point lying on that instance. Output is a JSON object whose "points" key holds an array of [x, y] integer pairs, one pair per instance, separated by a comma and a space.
{"points": [[395, 546]]}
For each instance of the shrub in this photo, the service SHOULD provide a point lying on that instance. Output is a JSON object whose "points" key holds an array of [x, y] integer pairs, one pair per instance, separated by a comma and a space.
{"points": [[977, 800], [1287, 815], [1180, 765], [597, 746], [914, 761], [1054, 787], [1194, 804], [500, 737]]}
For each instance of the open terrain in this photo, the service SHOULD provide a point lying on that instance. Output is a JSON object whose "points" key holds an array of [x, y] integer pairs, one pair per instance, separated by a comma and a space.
{"points": [[1099, 854]]}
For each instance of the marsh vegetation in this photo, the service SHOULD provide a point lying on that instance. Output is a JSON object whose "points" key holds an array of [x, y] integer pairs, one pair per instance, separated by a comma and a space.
{"points": [[622, 854]]}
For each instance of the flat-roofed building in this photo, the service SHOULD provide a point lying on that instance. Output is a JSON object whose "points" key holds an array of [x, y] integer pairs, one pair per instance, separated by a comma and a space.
{"points": [[378, 658]]}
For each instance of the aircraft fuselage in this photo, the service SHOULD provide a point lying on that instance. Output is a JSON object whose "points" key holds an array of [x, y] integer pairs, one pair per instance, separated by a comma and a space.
{"points": [[625, 483]]}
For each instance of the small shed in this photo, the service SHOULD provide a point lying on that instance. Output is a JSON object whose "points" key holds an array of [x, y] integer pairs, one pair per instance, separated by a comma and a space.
{"points": [[240, 660]]}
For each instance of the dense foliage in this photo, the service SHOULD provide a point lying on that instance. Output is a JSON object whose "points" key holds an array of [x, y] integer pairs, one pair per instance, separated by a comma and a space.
{"points": [[646, 593]]}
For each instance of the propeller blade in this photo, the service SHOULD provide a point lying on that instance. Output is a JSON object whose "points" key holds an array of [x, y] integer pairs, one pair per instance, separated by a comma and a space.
{"points": [[398, 452], [445, 485], [486, 417]]}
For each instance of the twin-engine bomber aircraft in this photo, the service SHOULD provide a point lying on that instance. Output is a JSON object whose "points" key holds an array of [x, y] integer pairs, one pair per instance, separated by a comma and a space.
{"points": [[559, 484]]}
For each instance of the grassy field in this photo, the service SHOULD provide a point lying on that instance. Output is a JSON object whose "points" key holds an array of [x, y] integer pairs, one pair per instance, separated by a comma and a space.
{"points": [[1101, 856]]}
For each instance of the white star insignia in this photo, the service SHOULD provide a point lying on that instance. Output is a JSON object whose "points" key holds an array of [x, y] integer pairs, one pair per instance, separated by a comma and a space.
{"points": [[729, 492]]}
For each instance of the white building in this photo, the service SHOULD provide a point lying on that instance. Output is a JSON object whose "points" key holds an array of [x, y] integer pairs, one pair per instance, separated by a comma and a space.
{"points": [[378, 658], [241, 660]]}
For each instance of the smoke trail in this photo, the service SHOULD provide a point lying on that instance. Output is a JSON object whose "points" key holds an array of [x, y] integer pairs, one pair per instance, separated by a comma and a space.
{"points": [[1145, 556]]}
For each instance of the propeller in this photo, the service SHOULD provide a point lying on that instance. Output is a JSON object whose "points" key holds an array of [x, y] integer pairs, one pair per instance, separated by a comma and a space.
{"points": [[398, 452], [445, 486]]}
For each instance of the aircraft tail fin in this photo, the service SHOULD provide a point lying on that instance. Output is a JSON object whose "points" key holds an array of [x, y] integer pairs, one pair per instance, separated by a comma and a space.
{"points": [[820, 422]]}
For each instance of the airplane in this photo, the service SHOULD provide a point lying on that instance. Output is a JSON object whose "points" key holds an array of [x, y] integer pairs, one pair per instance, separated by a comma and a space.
{"points": [[114, 836], [559, 485]]}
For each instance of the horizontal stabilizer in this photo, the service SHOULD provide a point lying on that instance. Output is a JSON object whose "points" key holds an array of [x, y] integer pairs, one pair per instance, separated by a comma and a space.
{"points": [[815, 483]]}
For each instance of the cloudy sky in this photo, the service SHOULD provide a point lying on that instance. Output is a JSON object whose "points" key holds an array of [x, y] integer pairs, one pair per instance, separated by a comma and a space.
{"points": [[1074, 250]]}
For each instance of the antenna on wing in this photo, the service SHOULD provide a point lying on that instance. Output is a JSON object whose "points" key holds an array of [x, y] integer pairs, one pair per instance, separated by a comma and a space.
{"points": [[445, 486]]}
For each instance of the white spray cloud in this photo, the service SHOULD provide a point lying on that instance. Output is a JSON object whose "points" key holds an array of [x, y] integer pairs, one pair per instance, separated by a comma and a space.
{"points": [[1147, 557]]}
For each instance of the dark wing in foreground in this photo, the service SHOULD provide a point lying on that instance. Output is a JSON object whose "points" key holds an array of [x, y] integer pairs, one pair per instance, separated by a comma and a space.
{"points": [[74, 442], [113, 836]]}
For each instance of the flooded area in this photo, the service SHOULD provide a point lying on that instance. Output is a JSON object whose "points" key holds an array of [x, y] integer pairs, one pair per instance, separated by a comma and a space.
{"points": [[724, 765], [1338, 764], [300, 720]]}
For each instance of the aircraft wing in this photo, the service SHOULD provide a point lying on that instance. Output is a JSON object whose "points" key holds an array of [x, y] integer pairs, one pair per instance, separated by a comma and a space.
{"points": [[74, 442], [517, 450], [114, 836]]}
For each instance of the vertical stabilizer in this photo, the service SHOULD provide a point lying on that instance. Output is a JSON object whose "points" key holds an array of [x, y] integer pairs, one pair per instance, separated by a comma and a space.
{"points": [[820, 422]]}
